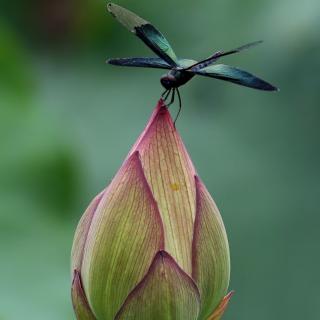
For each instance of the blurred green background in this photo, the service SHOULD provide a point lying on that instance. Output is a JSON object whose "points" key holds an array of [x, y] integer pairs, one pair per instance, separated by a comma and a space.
{"points": [[67, 121]]}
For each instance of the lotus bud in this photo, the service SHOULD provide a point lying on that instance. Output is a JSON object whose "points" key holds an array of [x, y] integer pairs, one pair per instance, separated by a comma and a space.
{"points": [[152, 245]]}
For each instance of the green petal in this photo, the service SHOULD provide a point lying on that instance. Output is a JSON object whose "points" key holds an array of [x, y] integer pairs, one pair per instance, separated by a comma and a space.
{"points": [[210, 261], [79, 300], [170, 174], [124, 236], [165, 293], [81, 234], [220, 310]]}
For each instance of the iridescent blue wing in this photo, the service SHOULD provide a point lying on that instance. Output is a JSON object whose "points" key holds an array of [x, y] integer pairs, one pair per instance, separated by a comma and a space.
{"points": [[235, 75], [213, 58], [239, 49], [153, 38], [186, 63], [140, 62]]}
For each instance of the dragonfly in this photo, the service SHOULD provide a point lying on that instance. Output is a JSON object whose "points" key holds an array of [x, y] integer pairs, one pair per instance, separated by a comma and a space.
{"points": [[180, 70]]}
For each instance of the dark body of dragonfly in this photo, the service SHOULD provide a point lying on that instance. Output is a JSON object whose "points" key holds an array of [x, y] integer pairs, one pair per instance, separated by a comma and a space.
{"points": [[181, 70]]}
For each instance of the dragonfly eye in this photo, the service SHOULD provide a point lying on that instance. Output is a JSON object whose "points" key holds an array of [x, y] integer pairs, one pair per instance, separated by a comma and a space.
{"points": [[167, 82]]}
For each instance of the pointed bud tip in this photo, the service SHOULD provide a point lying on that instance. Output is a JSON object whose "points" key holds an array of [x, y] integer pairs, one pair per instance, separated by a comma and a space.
{"points": [[162, 111], [162, 107]]}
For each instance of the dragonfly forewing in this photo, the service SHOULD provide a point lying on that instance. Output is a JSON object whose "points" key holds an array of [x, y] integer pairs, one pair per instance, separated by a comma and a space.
{"points": [[152, 37]]}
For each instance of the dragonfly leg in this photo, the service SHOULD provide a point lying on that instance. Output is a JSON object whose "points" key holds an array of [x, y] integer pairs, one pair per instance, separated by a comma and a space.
{"points": [[164, 92], [180, 106], [172, 97], [167, 95]]}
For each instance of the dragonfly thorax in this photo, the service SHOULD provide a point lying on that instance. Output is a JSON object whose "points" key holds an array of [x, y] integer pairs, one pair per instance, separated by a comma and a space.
{"points": [[175, 79]]}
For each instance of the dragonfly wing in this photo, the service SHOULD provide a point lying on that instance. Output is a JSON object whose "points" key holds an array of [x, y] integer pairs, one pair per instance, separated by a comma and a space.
{"points": [[235, 75], [244, 47], [186, 63], [153, 38], [213, 58], [140, 62]]}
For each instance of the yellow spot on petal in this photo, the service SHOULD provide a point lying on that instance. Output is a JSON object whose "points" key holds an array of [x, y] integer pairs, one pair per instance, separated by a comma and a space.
{"points": [[175, 186]]}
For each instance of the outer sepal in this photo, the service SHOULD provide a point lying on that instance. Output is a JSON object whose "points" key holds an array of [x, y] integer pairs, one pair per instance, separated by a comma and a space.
{"points": [[79, 299], [165, 293], [218, 313]]}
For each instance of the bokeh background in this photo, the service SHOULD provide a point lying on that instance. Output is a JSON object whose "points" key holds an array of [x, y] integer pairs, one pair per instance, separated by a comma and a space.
{"points": [[67, 121]]}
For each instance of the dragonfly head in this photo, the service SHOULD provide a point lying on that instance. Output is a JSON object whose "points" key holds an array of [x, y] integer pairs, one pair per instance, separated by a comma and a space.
{"points": [[168, 81]]}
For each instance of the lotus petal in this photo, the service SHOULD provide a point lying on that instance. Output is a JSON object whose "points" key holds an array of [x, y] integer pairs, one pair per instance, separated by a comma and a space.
{"points": [[125, 233], [81, 234], [211, 261], [79, 300], [165, 293], [170, 174]]}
